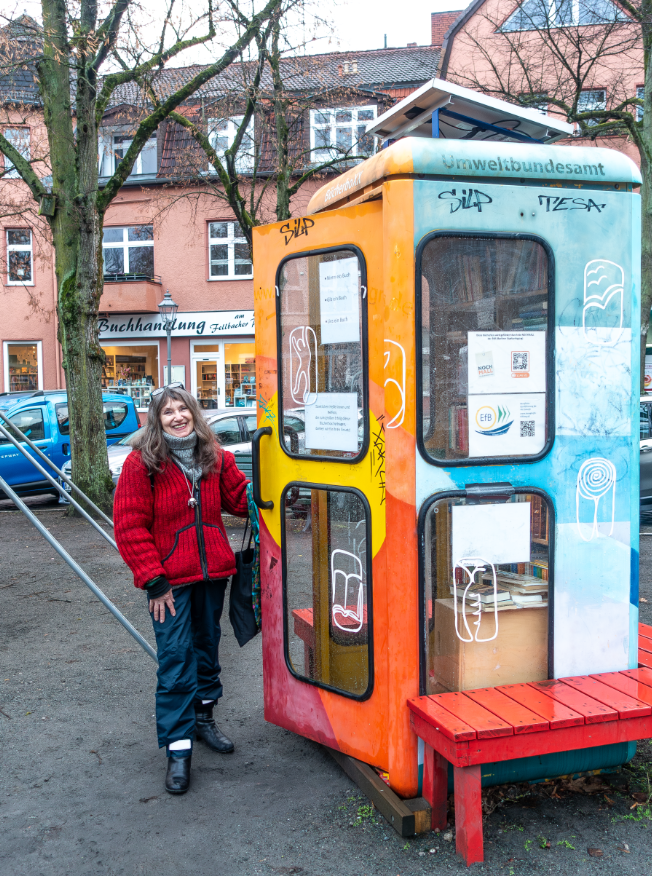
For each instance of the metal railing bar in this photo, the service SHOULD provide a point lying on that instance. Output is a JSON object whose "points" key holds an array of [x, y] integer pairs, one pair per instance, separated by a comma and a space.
{"points": [[57, 486], [77, 569], [63, 477]]}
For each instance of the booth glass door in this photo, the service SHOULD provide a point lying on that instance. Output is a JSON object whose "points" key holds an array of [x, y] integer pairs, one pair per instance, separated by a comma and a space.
{"points": [[207, 375]]}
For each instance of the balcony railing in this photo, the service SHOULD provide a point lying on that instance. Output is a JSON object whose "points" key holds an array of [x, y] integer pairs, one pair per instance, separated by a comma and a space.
{"points": [[121, 278]]}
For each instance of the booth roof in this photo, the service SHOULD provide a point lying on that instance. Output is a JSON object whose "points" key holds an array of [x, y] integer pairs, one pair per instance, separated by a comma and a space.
{"points": [[417, 156]]}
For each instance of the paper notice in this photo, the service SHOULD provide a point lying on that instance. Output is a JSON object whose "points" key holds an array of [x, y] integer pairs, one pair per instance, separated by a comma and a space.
{"points": [[507, 362], [507, 425], [332, 422], [339, 301], [495, 533]]}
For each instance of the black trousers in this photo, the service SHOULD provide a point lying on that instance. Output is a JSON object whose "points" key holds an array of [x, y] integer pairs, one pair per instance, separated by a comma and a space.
{"points": [[188, 662]]}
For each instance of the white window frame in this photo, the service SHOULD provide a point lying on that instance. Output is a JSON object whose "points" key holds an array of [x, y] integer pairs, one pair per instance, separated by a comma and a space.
{"points": [[20, 247], [317, 123], [20, 139], [232, 238], [244, 161], [5, 361], [554, 12], [589, 105], [108, 161], [125, 244], [640, 93]]}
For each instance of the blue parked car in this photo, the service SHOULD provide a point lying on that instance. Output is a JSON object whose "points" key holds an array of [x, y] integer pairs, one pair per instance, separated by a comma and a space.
{"points": [[43, 417]]}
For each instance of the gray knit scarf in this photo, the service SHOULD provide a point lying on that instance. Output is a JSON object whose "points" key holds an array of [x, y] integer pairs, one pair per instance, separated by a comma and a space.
{"points": [[182, 451]]}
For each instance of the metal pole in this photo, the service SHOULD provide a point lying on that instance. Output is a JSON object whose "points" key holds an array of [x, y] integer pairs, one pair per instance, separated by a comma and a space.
{"points": [[57, 486], [63, 477], [168, 329], [117, 614]]}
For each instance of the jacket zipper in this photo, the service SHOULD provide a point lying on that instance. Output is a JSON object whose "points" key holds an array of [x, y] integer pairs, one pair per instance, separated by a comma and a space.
{"points": [[200, 533]]}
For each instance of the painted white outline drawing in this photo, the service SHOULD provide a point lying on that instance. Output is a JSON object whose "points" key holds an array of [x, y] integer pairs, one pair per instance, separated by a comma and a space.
{"points": [[400, 415], [608, 280], [594, 480], [303, 375], [473, 565], [341, 609]]}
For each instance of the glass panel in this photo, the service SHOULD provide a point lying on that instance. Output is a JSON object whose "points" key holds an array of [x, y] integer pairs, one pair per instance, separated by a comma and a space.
{"points": [[23, 367], [148, 157], [207, 384], [19, 236], [141, 260], [323, 118], [327, 588], [243, 264], [218, 229], [484, 311], [227, 431], [113, 235], [219, 261], [491, 630], [20, 266], [344, 137], [250, 425], [645, 422], [114, 260], [322, 138], [365, 115], [30, 424], [321, 351], [114, 414], [343, 116], [294, 436], [62, 418], [132, 369], [239, 375], [140, 232]]}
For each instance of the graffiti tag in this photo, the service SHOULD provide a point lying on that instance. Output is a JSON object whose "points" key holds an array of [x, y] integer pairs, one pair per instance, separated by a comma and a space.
{"points": [[295, 228], [466, 200]]}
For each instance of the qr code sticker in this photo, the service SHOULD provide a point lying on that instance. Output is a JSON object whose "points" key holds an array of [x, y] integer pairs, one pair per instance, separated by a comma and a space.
{"points": [[527, 428], [521, 361]]}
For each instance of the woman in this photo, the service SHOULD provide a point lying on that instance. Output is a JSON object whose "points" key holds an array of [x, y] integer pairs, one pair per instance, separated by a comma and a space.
{"points": [[169, 530]]}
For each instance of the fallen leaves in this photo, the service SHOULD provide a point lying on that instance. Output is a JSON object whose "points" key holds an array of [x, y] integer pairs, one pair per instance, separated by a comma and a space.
{"points": [[595, 853], [623, 847]]}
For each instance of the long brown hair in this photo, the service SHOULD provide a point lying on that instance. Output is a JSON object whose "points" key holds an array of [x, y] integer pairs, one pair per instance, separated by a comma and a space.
{"points": [[154, 449]]}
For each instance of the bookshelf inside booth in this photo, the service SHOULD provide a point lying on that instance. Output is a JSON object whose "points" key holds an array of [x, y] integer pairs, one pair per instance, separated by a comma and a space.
{"points": [[471, 284]]}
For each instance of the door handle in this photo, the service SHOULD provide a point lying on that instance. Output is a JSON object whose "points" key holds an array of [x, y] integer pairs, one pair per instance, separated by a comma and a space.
{"points": [[255, 468]]}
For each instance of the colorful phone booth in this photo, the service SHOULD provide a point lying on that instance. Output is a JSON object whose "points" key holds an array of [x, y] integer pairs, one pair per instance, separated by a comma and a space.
{"points": [[448, 372]]}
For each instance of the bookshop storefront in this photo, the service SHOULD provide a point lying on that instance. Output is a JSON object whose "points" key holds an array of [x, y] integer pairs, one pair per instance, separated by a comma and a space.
{"points": [[212, 355]]}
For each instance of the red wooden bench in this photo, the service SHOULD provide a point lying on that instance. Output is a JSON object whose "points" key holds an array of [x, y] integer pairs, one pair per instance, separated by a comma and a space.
{"points": [[522, 720]]}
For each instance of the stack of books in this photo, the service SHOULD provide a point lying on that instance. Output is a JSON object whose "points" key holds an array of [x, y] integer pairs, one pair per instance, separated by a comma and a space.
{"points": [[484, 593], [524, 589]]}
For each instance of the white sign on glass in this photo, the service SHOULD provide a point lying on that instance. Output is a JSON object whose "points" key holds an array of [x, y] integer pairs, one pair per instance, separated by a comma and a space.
{"points": [[501, 362], [332, 422], [507, 425], [339, 301], [497, 533]]}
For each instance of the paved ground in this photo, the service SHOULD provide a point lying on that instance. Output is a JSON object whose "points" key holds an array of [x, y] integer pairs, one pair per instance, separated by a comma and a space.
{"points": [[81, 779]]}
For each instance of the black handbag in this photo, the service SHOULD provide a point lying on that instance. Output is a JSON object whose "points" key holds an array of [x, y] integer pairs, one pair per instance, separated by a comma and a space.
{"points": [[241, 606]]}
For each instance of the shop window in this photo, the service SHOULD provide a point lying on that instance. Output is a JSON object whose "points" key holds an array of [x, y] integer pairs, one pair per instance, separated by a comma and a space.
{"points": [[131, 370], [227, 431], [322, 321], [115, 414], [341, 132], [327, 583], [486, 587], [30, 424], [240, 375], [128, 253], [646, 429], [19, 139], [19, 257], [229, 255], [485, 316], [222, 134], [22, 367]]}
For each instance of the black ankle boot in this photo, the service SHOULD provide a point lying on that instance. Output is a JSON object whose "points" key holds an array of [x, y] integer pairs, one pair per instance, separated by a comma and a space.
{"points": [[177, 779], [207, 729]]}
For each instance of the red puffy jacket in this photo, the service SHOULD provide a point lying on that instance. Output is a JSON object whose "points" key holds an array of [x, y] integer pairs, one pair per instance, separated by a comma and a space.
{"points": [[158, 533]]}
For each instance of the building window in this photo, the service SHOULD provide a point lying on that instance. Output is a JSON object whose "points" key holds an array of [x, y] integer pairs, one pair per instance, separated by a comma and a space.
{"points": [[228, 251], [222, 133], [542, 14], [131, 370], [19, 257], [640, 93], [341, 132], [128, 253], [23, 366], [596, 99], [19, 139], [113, 150]]}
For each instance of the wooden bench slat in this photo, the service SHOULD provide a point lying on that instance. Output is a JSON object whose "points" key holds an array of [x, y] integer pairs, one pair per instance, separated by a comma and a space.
{"points": [[645, 644], [441, 719], [592, 711], [626, 706], [554, 712], [483, 722], [520, 717], [627, 685], [642, 674], [645, 630], [645, 659]]}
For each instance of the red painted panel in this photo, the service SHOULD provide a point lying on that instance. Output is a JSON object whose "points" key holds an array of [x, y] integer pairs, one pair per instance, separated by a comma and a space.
{"points": [[435, 785], [441, 719], [645, 630], [630, 686], [645, 644], [645, 659], [642, 674], [520, 717], [483, 722], [591, 709], [627, 707], [555, 713], [468, 814]]}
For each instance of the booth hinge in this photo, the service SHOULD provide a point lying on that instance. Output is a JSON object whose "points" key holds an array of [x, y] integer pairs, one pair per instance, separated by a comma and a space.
{"points": [[498, 492]]}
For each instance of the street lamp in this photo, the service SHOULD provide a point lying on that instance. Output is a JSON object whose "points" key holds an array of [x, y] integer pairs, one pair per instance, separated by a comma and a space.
{"points": [[168, 310]]}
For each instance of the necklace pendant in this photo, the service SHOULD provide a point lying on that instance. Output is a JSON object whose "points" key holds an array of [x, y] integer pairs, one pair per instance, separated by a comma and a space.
{"points": [[192, 503]]}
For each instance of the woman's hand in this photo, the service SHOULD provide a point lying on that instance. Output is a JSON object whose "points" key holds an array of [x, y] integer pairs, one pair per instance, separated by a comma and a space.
{"points": [[157, 606]]}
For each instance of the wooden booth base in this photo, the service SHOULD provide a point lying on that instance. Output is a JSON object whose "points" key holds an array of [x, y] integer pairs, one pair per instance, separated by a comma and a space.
{"points": [[407, 817]]}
